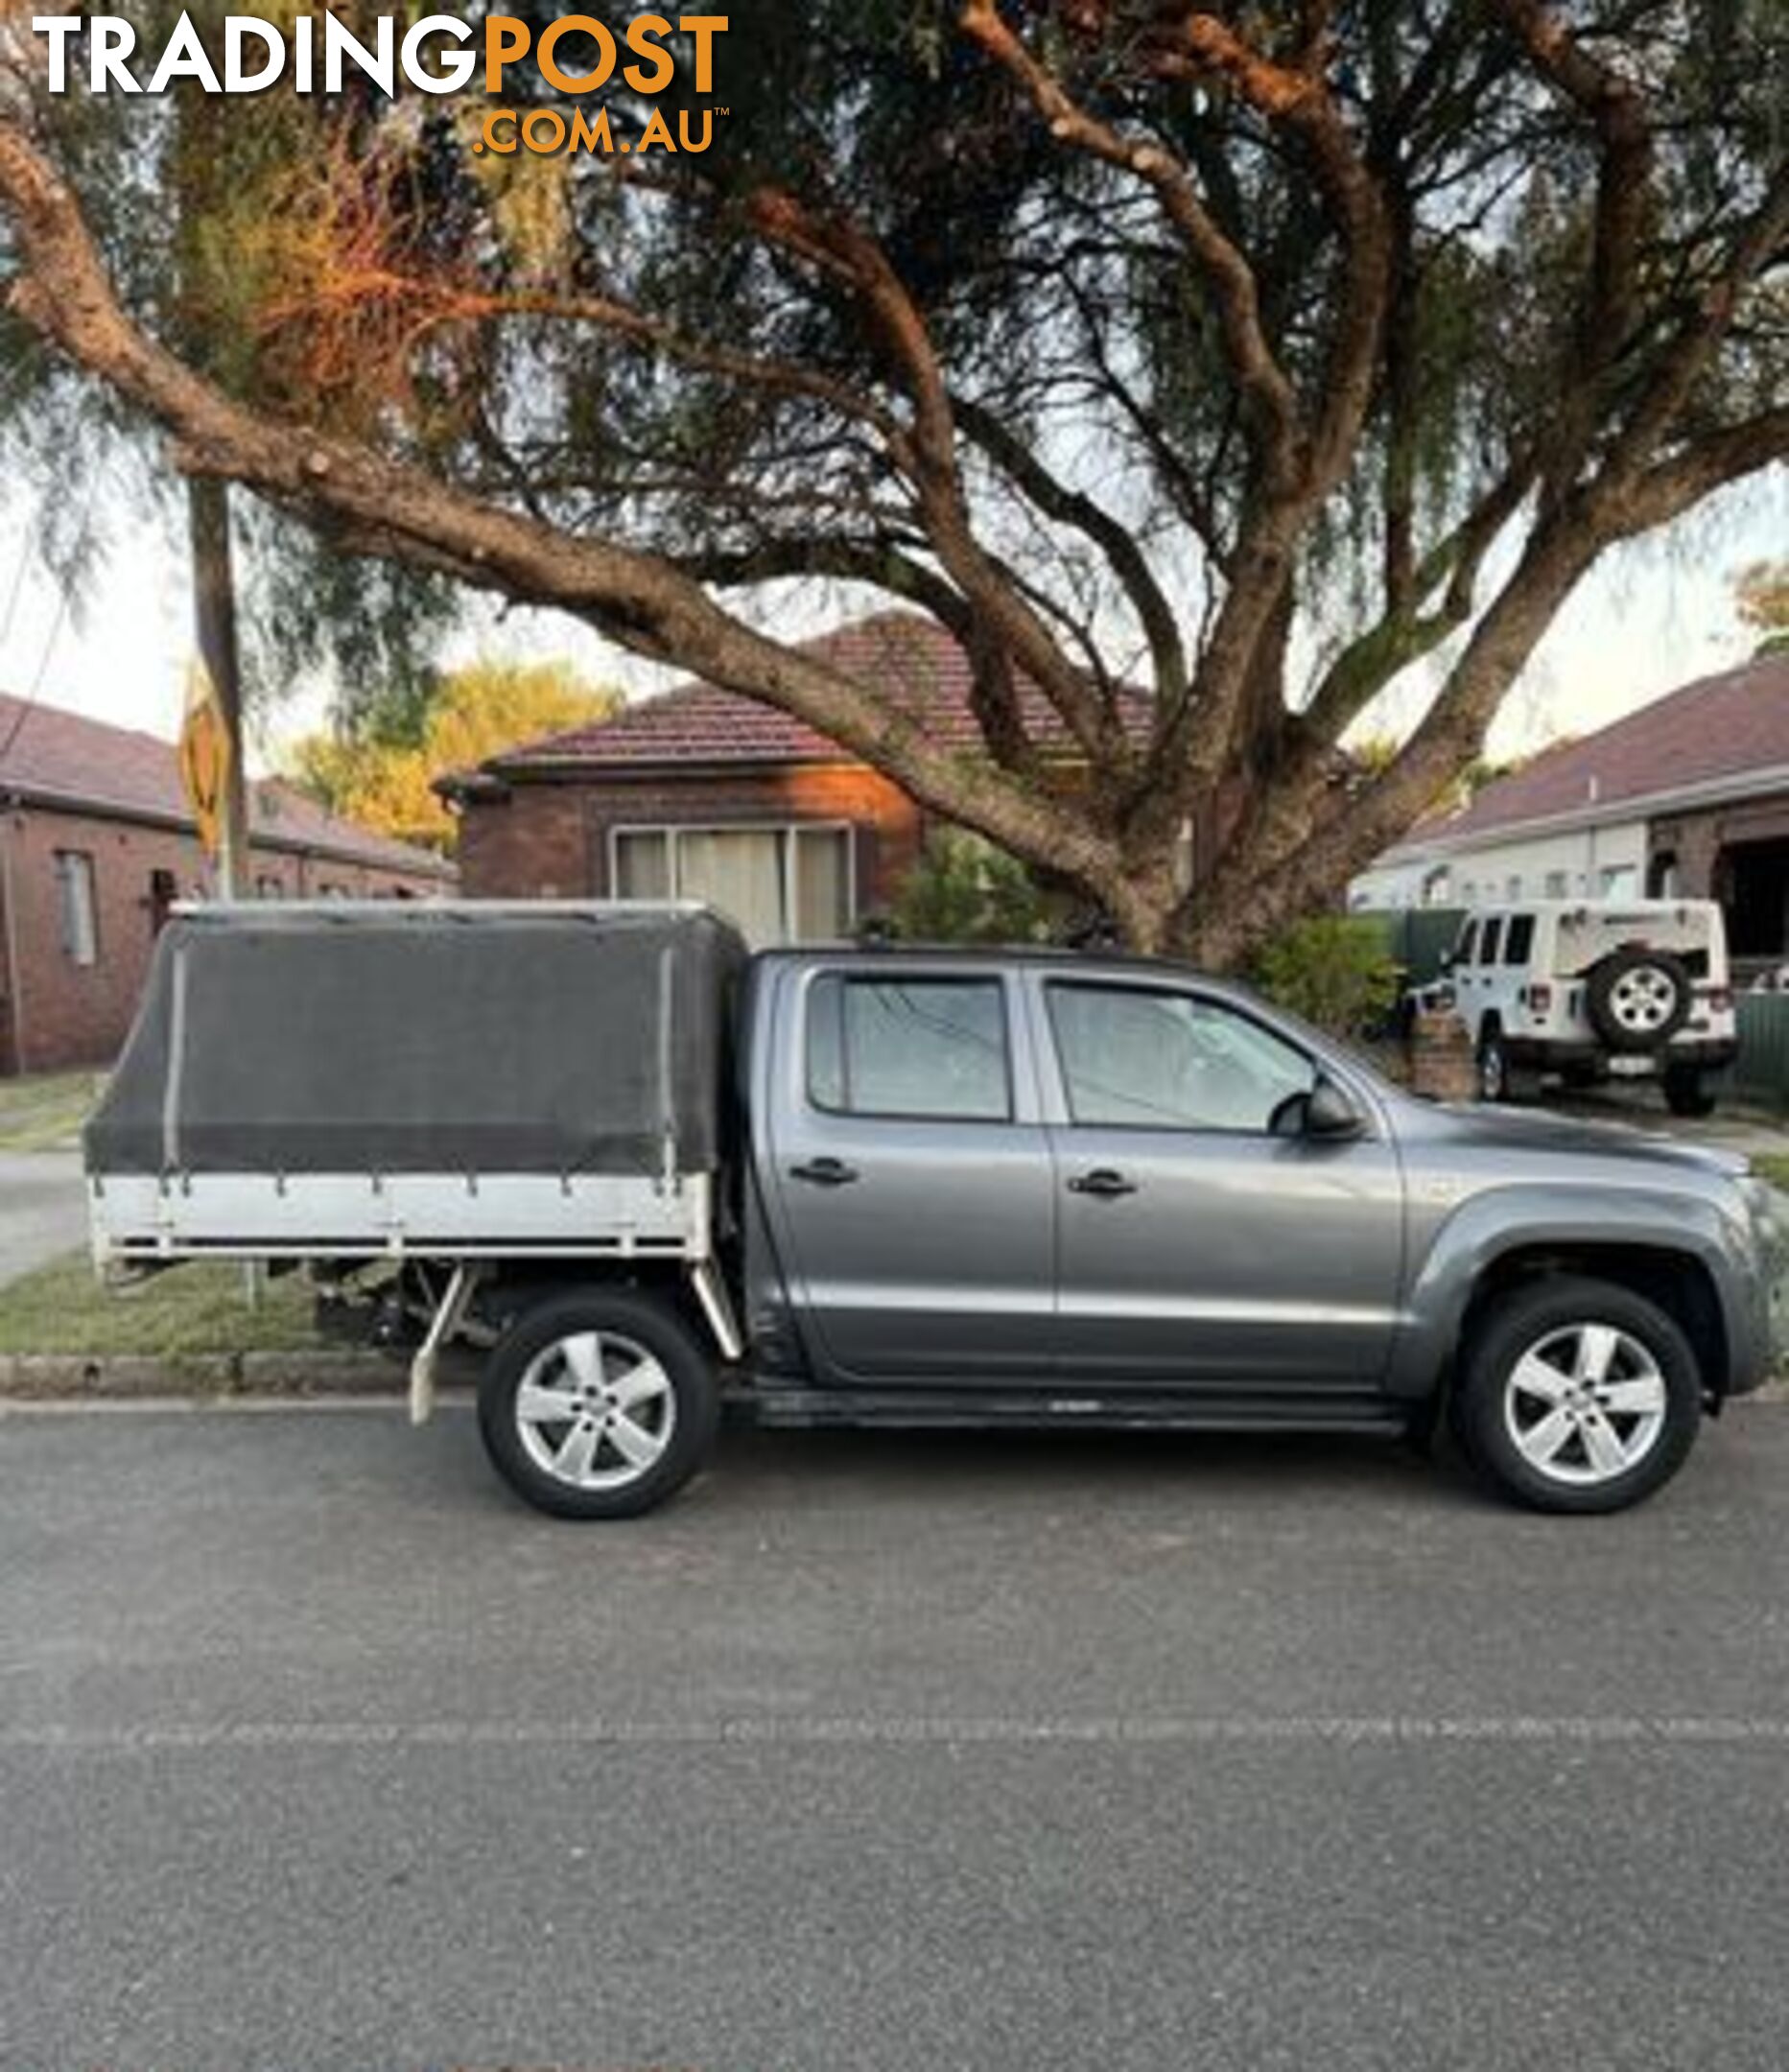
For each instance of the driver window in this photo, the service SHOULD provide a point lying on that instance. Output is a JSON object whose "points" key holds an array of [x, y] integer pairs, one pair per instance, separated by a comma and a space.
{"points": [[1136, 1059]]}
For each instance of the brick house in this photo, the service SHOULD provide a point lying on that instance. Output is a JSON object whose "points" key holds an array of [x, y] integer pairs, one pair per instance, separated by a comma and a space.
{"points": [[1687, 797], [96, 845], [701, 793]]}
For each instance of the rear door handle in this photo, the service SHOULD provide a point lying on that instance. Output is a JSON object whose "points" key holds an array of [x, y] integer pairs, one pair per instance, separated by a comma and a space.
{"points": [[824, 1173], [1103, 1182]]}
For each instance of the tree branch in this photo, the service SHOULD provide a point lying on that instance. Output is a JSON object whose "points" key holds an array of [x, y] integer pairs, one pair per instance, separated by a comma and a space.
{"points": [[847, 253], [1273, 407], [1115, 541], [388, 507]]}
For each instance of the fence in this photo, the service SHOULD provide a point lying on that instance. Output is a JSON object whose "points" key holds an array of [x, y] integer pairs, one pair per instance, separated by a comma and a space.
{"points": [[1418, 937], [1761, 1072]]}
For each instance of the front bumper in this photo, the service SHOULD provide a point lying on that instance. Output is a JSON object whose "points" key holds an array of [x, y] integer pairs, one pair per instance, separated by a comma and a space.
{"points": [[1760, 1332]]}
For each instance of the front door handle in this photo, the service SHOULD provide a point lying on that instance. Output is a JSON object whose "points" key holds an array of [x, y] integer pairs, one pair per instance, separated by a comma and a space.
{"points": [[824, 1173], [1103, 1182]]}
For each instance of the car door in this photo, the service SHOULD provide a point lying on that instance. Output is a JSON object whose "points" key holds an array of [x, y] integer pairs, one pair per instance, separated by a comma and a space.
{"points": [[913, 1185], [1487, 987], [1196, 1246]]}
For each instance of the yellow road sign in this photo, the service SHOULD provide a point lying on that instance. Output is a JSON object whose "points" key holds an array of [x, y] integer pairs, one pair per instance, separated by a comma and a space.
{"points": [[204, 757]]}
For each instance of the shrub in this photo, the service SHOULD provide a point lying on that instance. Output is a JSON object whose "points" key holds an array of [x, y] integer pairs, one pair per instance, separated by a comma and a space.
{"points": [[963, 890], [1336, 969]]}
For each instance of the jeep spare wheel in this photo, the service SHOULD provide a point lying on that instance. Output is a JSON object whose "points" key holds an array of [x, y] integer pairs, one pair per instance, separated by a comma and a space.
{"points": [[1637, 1000]]}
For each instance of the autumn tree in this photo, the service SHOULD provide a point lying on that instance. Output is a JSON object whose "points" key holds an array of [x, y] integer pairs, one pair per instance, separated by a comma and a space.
{"points": [[1761, 591], [382, 772], [1128, 341]]}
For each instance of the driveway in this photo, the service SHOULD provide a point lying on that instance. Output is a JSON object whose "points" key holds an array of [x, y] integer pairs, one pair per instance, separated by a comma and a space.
{"points": [[43, 1209], [882, 1752], [1749, 1131]]}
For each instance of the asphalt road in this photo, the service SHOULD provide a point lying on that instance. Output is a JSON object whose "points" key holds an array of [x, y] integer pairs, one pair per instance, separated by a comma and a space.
{"points": [[43, 1209], [316, 1750]]}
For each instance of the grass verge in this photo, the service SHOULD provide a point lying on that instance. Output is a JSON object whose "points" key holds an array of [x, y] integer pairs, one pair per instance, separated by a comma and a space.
{"points": [[45, 1113], [186, 1312], [1773, 1167]]}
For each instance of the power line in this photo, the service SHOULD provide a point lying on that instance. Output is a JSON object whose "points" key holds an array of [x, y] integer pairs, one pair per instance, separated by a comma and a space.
{"points": [[17, 590], [63, 591]]}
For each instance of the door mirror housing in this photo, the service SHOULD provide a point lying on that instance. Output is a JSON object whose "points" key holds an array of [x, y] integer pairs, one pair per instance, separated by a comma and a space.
{"points": [[1330, 1115]]}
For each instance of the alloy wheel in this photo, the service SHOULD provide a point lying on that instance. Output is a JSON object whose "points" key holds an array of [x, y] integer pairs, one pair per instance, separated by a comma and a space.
{"points": [[1585, 1403], [1643, 999], [595, 1410]]}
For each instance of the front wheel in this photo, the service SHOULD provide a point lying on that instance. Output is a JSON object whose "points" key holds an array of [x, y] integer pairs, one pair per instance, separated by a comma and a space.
{"points": [[1577, 1395], [1498, 1080], [598, 1404]]}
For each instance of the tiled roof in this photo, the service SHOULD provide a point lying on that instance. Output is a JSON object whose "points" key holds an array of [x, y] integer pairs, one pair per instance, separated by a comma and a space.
{"points": [[1717, 730], [911, 661], [62, 758]]}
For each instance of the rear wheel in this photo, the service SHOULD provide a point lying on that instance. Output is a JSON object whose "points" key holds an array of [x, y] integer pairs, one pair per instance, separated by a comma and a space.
{"points": [[598, 1405], [1577, 1395], [1686, 1091]]}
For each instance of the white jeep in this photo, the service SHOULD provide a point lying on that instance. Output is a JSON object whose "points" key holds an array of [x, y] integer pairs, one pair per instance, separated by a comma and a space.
{"points": [[1594, 989]]}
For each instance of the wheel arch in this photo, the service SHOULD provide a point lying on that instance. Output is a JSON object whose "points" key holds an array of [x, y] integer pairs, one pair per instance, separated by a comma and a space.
{"points": [[1675, 1279], [521, 1286], [1670, 1253]]}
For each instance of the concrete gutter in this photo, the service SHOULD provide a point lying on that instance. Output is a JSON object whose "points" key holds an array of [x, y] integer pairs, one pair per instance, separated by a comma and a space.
{"points": [[49, 1376]]}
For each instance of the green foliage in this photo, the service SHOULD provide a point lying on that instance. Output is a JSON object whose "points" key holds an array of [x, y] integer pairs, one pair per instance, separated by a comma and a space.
{"points": [[1336, 969], [964, 891]]}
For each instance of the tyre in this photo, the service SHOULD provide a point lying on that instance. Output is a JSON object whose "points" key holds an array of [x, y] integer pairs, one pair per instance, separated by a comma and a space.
{"points": [[1493, 1067], [1498, 1080], [598, 1405], [1686, 1091], [1637, 1000], [1576, 1395]]}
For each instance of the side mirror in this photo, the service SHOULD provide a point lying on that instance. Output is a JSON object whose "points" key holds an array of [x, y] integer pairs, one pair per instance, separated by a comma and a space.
{"points": [[1328, 1112]]}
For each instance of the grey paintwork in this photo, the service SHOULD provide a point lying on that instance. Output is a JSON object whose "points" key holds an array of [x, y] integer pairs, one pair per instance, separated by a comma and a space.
{"points": [[959, 1254]]}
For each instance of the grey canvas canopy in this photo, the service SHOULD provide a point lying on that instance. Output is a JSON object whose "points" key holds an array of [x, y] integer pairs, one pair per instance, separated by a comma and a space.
{"points": [[440, 1039]]}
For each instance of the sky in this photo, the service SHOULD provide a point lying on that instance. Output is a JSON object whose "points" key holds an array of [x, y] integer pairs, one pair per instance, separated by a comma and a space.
{"points": [[1648, 618]]}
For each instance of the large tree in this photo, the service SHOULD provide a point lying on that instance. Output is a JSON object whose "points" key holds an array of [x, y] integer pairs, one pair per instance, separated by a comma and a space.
{"points": [[1126, 340]]}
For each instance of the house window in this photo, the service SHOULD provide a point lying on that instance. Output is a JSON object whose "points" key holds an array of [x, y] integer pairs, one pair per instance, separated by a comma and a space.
{"points": [[1558, 884], [1618, 880], [270, 887], [1513, 887], [779, 884], [163, 890], [74, 895]]}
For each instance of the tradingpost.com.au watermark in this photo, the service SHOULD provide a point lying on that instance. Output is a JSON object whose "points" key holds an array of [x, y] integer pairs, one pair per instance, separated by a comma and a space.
{"points": [[575, 55]]}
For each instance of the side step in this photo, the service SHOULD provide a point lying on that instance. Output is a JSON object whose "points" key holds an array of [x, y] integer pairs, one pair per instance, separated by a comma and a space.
{"points": [[787, 1407]]}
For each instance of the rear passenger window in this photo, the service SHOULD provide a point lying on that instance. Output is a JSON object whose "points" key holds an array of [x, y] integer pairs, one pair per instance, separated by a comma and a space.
{"points": [[1490, 939], [1518, 944], [909, 1048]]}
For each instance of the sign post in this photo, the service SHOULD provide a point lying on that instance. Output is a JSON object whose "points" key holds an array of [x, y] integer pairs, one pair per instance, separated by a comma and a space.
{"points": [[207, 757]]}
